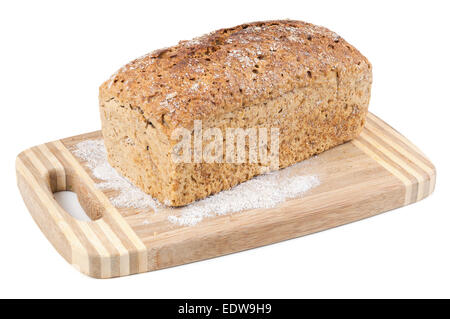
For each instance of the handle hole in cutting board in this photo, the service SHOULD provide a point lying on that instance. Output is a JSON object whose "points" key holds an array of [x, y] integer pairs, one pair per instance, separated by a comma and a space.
{"points": [[76, 199], [69, 202]]}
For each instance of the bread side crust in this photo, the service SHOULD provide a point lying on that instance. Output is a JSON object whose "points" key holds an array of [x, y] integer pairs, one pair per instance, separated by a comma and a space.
{"points": [[329, 115]]}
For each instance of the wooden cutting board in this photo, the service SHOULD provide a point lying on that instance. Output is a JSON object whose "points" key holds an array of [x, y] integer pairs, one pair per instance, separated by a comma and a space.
{"points": [[379, 171]]}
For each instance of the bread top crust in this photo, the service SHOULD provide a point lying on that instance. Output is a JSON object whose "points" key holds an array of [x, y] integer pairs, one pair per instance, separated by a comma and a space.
{"points": [[230, 68]]}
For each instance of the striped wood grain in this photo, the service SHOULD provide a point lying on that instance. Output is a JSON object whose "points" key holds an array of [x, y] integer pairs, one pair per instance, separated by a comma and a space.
{"points": [[379, 171]]}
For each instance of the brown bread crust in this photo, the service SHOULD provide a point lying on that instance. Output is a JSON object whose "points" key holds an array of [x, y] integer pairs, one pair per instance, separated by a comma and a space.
{"points": [[226, 69], [301, 78]]}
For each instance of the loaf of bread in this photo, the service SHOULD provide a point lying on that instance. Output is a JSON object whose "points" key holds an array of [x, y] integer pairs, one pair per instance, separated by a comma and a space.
{"points": [[302, 88]]}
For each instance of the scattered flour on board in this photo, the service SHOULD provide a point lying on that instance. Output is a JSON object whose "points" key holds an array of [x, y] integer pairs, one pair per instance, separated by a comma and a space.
{"points": [[94, 153], [264, 191]]}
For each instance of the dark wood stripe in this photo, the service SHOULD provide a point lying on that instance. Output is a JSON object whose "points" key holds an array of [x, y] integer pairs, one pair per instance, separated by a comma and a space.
{"points": [[407, 147], [424, 182], [112, 223], [94, 257], [44, 219], [395, 165], [60, 172], [114, 252], [414, 160], [50, 168]]}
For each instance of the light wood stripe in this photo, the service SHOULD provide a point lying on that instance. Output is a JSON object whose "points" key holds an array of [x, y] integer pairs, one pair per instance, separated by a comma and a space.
{"points": [[406, 166], [85, 227], [399, 166], [39, 166], [124, 260], [109, 265], [404, 179], [103, 253], [399, 136], [406, 154], [60, 172], [141, 249], [418, 160], [79, 253], [377, 172]]}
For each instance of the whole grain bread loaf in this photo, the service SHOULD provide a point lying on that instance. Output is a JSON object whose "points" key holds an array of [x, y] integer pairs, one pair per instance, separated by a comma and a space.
{"points": [[303, 80]]}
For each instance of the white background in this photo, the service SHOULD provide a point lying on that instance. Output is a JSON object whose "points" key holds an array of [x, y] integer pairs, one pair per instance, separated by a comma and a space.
{"points": [[53, 57]]}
